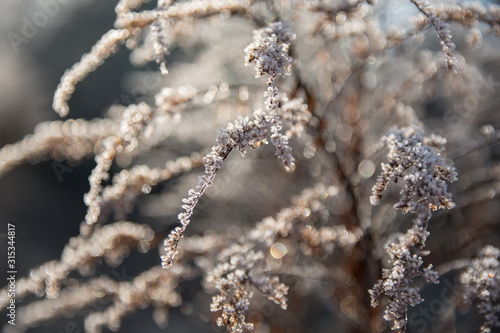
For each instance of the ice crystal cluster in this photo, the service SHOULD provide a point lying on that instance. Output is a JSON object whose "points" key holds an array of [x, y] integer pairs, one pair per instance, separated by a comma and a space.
{"points": [[270, 50], [482, 284], [425, 191], [297, 233], [425, 188], [397, 281]]}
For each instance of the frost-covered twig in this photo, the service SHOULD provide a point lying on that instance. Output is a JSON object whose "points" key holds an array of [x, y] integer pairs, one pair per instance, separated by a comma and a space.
{"points": [[482, 283], [71, 140], [442, 30], [425, 191], [270, 53], [425, 186], [113, 242]]}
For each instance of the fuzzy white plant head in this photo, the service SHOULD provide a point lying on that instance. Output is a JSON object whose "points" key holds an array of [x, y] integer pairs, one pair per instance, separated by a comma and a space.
{"points": [[270, 50]]}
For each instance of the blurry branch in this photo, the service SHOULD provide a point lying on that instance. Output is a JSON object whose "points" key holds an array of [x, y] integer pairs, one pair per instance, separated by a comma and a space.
{"points": [[452, 266], [119, 197], [332, 11], [128, 27], [470, 14], [113, 242], [492, 137], [154, 287], [442, 30], [198, 9], [71, 140]]}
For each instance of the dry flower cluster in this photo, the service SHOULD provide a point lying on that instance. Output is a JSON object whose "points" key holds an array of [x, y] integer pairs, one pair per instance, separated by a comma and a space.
{"points": [[347, 87]]}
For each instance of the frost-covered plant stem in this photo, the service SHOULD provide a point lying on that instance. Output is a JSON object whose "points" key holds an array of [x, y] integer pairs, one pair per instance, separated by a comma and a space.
{"points": [[212, 166], [269, 52], [442, 30], [425, 191], [279, 140]]}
